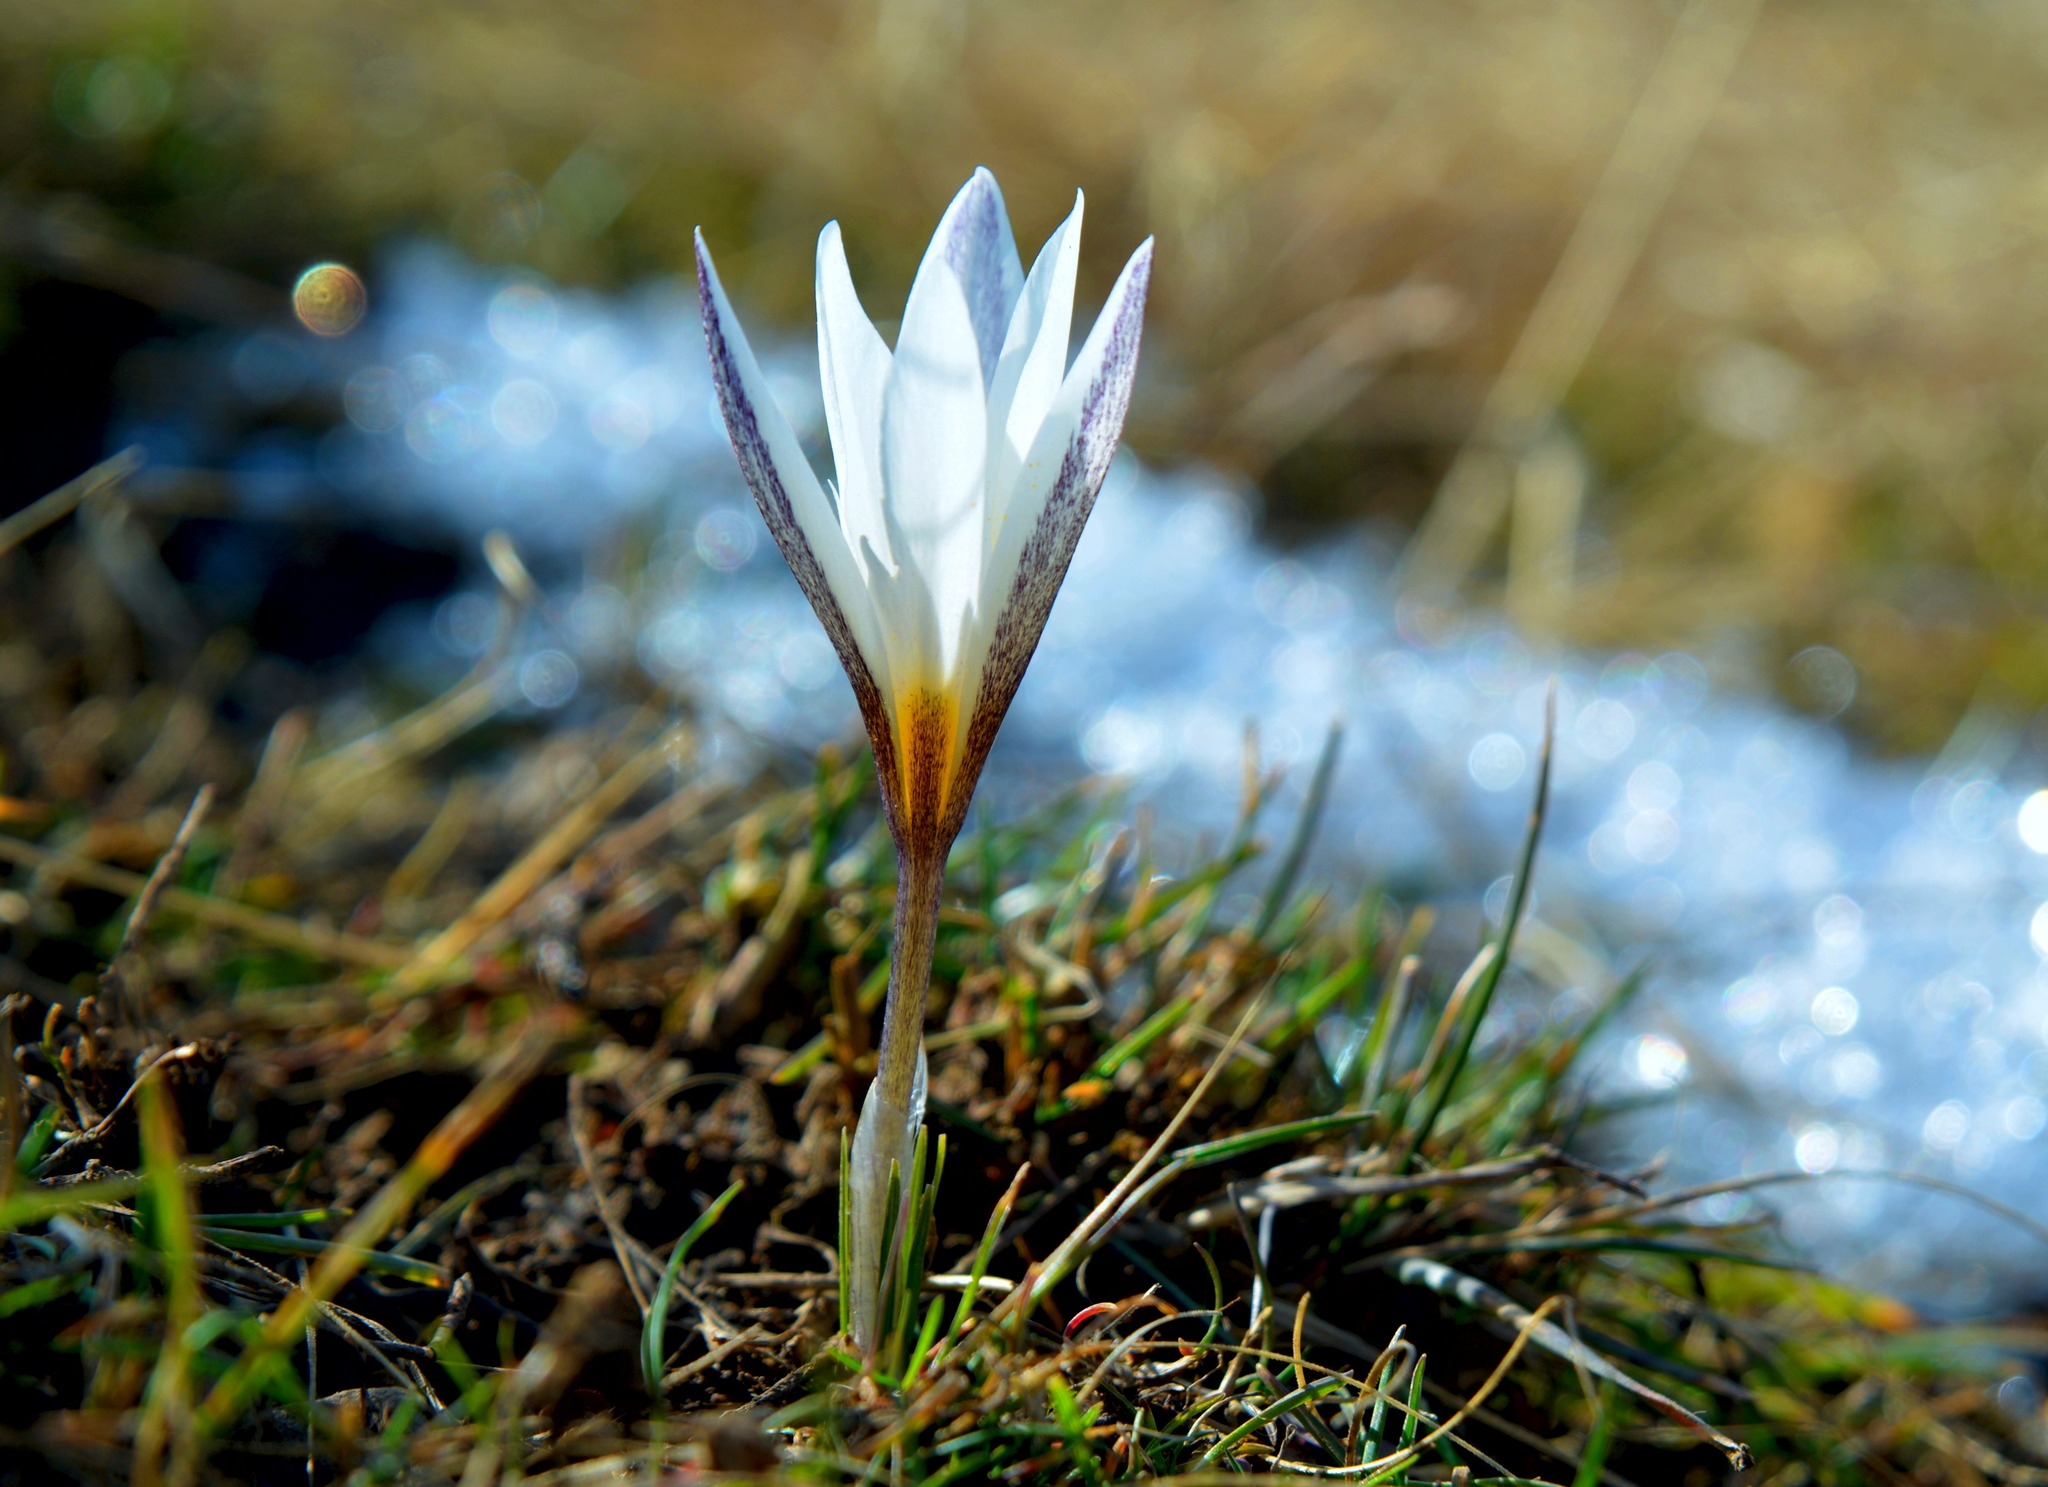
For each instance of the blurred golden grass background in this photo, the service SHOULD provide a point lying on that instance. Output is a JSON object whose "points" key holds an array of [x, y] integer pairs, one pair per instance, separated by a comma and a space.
{"points": [[1794, 394]]}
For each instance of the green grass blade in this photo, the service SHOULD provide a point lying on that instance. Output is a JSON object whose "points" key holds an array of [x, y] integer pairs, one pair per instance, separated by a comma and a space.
{"points": [[382, 1261], [1227, 1147], [1376, 1428], [654, 1334], [1074, 1427], [927, 1337], [31, 1294], [1315, 1004], [1132, 1045], [885, 1283], [841, 1261], [277, 1220], [1304, 836], [165, 1439], [1411, 1425], [1376, 1056], [1599, 1441], [37, 1141], [1285, 1404], [33, 1205], [982, 1256], [917, 1236], [1482, 994]]}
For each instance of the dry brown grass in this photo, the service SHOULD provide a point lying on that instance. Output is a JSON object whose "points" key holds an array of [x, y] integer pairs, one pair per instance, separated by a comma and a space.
{"points": [[385, 1071]]}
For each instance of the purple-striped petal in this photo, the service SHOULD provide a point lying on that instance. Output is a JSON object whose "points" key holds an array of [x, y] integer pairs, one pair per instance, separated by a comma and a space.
{"points": [[799, 516], [974, 240], [1055, 492], [1034, 359]]}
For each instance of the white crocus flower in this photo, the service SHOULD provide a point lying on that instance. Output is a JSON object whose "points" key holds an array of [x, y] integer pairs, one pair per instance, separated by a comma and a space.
{"points": [[967, 462]]}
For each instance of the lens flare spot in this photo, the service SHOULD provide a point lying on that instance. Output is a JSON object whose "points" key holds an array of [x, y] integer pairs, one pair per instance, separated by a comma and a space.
{"points": [[1817, 1149], [1946, 1125], [2033, 822], [1835, 1010], [1661, 1063], [523, 412], [1496, 762], [330, 299]]}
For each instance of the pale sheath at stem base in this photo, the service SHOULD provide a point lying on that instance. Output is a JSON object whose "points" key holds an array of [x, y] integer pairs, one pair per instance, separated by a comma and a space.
{"points": [[966, 460], [894, 1108]]}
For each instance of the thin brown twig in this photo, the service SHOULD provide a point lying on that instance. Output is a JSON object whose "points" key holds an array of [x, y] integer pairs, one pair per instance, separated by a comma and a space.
{"points": [[539, 862], [1617, 1213], [274, 929], [736, 995], [66, 498], [60, 239], [631, 1256], [828, 1280], [116, 980], [469, 702], [1056, 1265], [99, 1128], [184, 729], [256, 821], [262, 1159], [682, 1375], [510, 1073], [1292, 1189]]}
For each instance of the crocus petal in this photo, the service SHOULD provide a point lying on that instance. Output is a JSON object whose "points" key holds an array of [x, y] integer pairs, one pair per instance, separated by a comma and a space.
{"points": [[1033, 361], [974, 239], [799, 516], [934, 445], [1055, 492], [855, 364]]}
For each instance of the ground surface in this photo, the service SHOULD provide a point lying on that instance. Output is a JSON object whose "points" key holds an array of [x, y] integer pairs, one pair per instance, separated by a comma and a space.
{"points": [[484, 1083]]}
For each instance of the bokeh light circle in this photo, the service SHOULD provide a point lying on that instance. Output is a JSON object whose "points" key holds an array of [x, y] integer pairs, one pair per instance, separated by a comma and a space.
{"points": [[330, 299]]}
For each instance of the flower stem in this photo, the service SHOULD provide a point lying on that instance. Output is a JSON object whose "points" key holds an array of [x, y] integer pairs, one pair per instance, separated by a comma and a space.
{"points": [[919, 879], [886, 1134]]}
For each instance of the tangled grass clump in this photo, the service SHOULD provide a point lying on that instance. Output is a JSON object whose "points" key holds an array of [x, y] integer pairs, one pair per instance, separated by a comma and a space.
{"points": [[464, 1101]]}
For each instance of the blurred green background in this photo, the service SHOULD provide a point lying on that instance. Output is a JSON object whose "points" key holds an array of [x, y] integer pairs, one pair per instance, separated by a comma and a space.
{"points": [[1788, 387]]}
